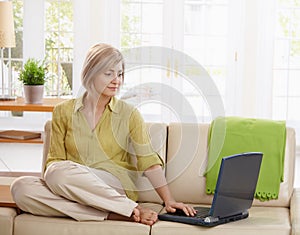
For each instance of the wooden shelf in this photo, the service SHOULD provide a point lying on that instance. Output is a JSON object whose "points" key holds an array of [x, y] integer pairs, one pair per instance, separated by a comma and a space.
{"points": [[19, 105], [28, 141]]}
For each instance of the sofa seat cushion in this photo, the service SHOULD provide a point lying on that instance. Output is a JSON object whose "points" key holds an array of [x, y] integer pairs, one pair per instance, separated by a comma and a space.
{"points": [[7, 216], [27, 224], [36, 225], [261, 220]]}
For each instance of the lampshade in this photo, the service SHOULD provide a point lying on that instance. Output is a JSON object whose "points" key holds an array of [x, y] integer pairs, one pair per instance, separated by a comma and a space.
{"points": [[7, 29]]}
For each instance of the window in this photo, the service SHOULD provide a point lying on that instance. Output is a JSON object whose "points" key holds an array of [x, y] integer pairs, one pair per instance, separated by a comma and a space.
{"points": [[140, 28], [232, 40], [197, 28], [59, 46], [56, 20], [15, 55], [205, 36], [286, 92], [286, 65], [206, 40]]}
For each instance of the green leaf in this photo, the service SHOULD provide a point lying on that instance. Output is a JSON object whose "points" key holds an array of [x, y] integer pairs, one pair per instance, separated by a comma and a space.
{"points": [[33, 73]]}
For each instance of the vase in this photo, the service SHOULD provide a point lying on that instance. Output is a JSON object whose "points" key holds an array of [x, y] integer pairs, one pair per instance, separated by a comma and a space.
{"points": [[33, 94]]}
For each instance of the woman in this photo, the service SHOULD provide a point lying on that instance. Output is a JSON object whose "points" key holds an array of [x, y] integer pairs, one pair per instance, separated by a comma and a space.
{"points": [[89, 175]]}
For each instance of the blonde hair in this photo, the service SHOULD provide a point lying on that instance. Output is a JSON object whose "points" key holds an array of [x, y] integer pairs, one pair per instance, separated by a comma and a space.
{"points": [[100, 58]]}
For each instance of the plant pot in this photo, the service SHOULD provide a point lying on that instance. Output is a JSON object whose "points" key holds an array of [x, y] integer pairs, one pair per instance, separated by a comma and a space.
{"points": [[33, 94]]}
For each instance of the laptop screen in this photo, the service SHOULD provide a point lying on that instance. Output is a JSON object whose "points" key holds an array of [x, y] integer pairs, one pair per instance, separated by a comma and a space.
{"points": [[236, 184]]}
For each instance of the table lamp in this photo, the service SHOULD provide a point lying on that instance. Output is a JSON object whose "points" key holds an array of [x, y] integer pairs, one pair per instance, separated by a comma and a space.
{"points": [[7, 38]]}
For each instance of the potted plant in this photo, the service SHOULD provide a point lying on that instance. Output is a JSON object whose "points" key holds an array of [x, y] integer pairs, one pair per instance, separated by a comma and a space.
{"points": [[33, 77]]}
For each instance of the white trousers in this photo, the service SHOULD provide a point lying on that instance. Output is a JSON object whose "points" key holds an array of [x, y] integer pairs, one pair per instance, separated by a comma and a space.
{"points": [[72, 190]]}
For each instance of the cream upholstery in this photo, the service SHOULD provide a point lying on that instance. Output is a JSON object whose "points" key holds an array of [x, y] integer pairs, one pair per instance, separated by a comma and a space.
{"points": [[7, 216], [184, 148], [33, 225], [194, 168], [272, 217], [26, 224], [262, 220], [158, 134]]}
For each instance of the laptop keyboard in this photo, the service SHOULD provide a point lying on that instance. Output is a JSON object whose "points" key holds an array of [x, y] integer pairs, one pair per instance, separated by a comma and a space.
{"points": [[202, 212]]}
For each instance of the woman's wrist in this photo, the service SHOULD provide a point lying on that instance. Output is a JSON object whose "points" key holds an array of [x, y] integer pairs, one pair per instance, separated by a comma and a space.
{"points": [[168, 201]]}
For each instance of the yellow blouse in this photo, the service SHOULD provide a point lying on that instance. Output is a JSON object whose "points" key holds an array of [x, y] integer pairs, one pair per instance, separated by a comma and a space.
{"points": [[119, 133]]}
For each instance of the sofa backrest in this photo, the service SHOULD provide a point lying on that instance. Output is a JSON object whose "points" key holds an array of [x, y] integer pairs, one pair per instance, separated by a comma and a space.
{"points": [[187, 159], [158, 135], [183, 147]]}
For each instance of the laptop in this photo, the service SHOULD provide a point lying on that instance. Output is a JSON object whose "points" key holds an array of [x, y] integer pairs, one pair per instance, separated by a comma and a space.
{"points": [[233, 196]]}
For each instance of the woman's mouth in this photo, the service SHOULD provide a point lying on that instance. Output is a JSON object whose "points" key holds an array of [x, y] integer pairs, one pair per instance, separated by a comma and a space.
{"points": [[113, 88]]}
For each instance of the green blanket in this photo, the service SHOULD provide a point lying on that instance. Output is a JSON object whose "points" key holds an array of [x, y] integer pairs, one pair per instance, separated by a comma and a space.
{"points": [[233, 135]]}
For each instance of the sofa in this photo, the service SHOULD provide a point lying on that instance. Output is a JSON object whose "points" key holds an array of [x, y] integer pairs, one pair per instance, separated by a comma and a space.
{"points": [[183, 147]]}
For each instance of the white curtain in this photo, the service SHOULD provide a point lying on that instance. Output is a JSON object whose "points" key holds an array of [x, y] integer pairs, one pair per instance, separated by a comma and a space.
{"points": [[33, 30], [249, 84], [266, 23]]}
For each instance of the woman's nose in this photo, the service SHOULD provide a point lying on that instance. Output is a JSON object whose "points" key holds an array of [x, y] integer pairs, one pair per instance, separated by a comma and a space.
{"points": [[117, 79]]}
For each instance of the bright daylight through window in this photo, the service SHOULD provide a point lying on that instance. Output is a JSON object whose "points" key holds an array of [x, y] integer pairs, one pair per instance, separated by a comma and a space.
{"points": [[209, 31]]}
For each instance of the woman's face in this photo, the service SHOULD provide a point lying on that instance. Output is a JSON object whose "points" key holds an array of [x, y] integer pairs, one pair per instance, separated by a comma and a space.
{"points": [[108, 83]]}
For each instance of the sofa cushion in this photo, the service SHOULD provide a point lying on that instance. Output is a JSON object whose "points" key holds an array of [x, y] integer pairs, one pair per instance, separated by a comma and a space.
{"points": [[187, 159], [295, 211], [36, 225], [7, 216], [261, 220], [27, 224], [186, 162], [158, 135]]}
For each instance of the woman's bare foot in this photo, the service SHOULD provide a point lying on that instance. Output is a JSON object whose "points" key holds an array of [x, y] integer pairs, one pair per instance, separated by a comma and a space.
{"points": [[136, 215], [139, 215], [144, 215]]}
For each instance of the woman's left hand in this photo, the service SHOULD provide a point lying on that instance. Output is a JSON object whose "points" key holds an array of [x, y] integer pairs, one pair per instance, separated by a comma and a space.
{"points": [[172, 206]]}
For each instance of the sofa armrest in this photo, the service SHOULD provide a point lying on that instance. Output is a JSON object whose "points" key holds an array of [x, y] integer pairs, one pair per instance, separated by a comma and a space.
{"points": [[295, 212]]}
